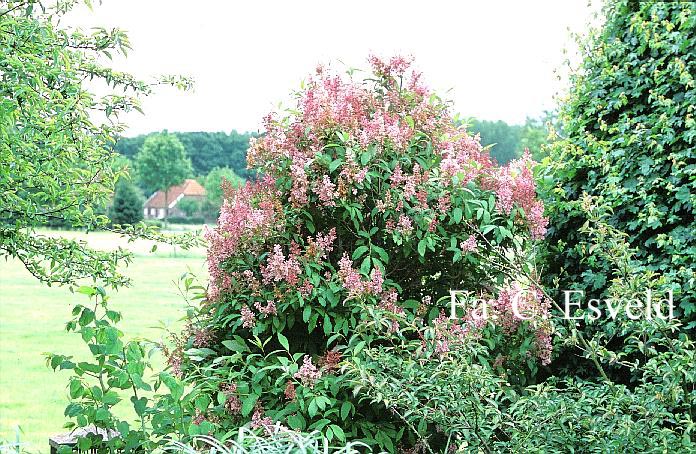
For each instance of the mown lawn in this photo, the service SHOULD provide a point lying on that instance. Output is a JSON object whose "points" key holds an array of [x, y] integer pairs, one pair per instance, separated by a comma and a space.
{"points": [[32, 321]]}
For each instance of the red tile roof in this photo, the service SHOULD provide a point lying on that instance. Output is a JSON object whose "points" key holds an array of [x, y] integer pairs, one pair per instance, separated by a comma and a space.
{"points": [[189, 187]]}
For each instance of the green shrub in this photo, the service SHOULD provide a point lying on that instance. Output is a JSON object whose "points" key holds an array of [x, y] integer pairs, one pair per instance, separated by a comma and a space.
{"points": [[127, 206]]}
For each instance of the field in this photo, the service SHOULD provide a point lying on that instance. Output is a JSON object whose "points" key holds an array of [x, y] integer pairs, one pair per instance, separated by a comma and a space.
{"points": [[32, 321]]}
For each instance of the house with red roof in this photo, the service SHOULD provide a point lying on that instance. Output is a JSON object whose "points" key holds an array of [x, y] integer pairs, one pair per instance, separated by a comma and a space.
{"points": [[155, 205]]}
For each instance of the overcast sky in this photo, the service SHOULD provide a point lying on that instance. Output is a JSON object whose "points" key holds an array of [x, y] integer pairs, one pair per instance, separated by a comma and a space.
{"points": [[499, 59]]}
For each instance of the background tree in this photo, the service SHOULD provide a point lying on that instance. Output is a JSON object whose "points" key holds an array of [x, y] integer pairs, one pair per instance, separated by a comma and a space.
{"points": [[56, 139], [207, 150], [503, 137], [213, 189], [190, 207], [127, 206], [162, 163]]}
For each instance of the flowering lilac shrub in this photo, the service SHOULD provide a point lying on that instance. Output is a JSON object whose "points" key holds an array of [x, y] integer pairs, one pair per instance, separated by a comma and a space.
{"points": [[370, 197]]}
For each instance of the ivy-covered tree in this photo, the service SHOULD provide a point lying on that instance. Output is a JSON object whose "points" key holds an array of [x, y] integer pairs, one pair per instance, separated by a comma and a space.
{"points": [[127, 206], [56, 138], [629, 138], [162, 163]]}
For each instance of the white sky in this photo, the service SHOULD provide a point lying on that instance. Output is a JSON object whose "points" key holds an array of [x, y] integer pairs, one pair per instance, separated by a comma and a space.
{"points": [[498, 57]]}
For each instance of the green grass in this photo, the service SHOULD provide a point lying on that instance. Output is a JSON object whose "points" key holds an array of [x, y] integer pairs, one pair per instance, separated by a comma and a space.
{"points": [[32, 321]]}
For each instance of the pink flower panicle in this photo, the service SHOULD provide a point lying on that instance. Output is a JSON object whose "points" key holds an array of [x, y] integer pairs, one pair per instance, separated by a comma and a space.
{"points": [[259, 421], [308, 374], [329, 362], [326, 191], [531, 305], [248, 317], [278, 268], [405, 225], [514, 184], [323, 244], [374, 285], [350, 278], [267, 310], [246, 217], [469, 245], [306, 288], [232, 403], [290, 392], [202, 338]]}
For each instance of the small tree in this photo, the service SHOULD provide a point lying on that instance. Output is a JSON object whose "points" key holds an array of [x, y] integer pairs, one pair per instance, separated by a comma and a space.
{"points": [[127, 207], [189, 206], [163, 163]]}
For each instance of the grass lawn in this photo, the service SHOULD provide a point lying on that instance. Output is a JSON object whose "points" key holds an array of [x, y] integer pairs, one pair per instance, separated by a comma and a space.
{"points": [[32, 321]]}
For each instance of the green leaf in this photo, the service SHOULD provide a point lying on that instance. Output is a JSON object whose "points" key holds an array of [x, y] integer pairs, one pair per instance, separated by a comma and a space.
{"points": [[297, 422], [338, 432], [345, 409], [359, 252], [248, 404], [234, 345], [111, 398], [457, 215], [365, 266], [421, 247], [335, 164], [139, 405], [284, 341]]}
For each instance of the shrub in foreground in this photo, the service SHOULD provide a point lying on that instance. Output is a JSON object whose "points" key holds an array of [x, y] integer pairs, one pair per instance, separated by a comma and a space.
{"points": [[370, 197]]}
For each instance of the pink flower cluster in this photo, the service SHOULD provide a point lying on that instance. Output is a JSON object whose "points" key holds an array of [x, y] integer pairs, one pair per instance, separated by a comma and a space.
{"points": [[330, 103], [515, 184], [323, 244], [308, 373], [352, 281], [383, 127], [462, 157], [405, 225], [469, 245], [232, 402], [350, 278], [326, 191], [259, 421], [278, 268], [202, 338], [395, 67], [247, 215], [448, 333], [267, 310], [388, 303], [248, 317]]}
